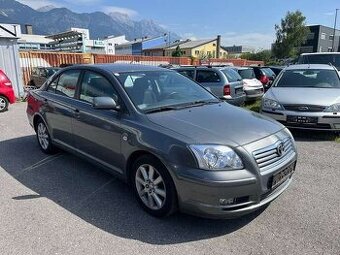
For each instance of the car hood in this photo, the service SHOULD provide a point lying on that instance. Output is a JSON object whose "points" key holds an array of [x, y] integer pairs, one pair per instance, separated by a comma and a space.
{"points": [[310, 96], [217, 124]]}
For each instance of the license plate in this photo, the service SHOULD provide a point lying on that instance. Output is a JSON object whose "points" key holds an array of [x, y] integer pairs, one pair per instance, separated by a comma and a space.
{"points": [[302, 119], [282, 176]]}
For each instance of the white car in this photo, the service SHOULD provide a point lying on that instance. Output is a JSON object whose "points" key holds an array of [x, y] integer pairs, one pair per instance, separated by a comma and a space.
{"points": [[251, 86]]}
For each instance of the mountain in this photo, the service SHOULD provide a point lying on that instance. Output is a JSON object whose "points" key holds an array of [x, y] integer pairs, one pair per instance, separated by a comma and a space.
{"points": [[51, 20]]}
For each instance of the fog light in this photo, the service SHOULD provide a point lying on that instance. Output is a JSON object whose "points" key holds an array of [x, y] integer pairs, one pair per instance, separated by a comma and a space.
{"points": [[228, 201]]}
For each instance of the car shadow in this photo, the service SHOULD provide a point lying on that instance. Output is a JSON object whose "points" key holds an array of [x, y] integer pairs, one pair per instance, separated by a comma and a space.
{"points": [[100, 199], [314, 135]]}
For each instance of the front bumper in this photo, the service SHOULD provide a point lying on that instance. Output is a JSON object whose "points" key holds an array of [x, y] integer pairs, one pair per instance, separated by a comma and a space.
{"points": [[202, 192], [325, 120]]}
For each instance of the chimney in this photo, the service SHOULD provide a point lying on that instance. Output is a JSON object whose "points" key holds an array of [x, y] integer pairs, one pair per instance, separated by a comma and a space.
{"points": [[218, 46], [29, 29]]}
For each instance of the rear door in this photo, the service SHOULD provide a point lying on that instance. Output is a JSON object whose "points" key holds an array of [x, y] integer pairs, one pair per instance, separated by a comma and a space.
{"points": [[98, 132], [59, 106], [212, 80]]}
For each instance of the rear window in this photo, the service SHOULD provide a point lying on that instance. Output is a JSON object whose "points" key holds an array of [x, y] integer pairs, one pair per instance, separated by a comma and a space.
{"points": [[309, 79], [207, 76], [232, 75], [334, 59], [247, 73], [268, 72]]}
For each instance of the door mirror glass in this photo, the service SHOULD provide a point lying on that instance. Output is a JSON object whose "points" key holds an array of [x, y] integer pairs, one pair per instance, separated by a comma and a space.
{"points": [[107, 103]]}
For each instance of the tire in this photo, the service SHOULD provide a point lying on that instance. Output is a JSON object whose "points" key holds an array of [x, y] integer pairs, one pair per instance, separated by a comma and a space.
{"points": [[155, 192], [44, 138], [3, 104]]}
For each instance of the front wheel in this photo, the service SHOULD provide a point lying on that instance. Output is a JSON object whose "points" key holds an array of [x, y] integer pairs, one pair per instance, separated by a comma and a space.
{"points": [[3, 104], [153, 186], [44, 138]]}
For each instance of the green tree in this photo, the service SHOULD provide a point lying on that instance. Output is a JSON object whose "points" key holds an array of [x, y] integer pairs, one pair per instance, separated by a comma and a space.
{"points": [[264, 55], [177, 52], [290, 34]]}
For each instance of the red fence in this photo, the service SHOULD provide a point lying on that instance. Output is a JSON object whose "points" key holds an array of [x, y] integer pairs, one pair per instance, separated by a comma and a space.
{"points": [[29, 60]]}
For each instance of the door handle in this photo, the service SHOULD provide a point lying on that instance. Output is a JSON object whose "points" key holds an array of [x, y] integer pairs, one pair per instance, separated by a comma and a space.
{"points": [[76, 113]]}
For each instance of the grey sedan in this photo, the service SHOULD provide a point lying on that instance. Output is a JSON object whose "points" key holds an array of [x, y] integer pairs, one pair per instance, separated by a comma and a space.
{"points": [[305, 97], [175, 143]]}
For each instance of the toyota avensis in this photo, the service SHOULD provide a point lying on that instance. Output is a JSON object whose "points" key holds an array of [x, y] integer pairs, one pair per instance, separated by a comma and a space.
{"points": [[175, 143]]}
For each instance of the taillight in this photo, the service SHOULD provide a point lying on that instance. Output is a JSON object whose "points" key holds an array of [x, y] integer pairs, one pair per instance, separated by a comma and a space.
{"points": [[8, 84], [226, 90], [4, 79], [264, 79]]}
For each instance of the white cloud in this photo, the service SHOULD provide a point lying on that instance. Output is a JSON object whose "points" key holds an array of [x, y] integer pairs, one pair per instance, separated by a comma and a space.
{"points": [[126, 11], [329, 13], [35, 4], [255, 40]]}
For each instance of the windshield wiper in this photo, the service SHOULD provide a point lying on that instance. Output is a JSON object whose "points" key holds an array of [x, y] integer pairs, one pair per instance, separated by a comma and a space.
{"points": [[162, 109]]}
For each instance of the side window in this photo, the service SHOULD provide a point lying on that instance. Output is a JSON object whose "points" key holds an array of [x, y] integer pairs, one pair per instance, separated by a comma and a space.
{"points": [[95, 85], [188, 73], [67, 83], [207, 76], [53, 85]]}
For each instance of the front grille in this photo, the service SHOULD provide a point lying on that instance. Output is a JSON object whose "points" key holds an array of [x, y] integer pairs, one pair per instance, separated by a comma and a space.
{"points": [[307, 125], [269, 156], [304, 108]]}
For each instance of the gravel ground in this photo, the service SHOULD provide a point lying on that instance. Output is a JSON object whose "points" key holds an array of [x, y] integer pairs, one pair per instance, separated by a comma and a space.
{"points": [[62, 205]]}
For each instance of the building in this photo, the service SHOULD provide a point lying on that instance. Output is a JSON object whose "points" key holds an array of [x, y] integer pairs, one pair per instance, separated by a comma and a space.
{"points": [[76, 40], [112, 41], [137, 46], [237, 50], [159, 50], [30, 41], [201, 49], [9, 52], [320, 39]]}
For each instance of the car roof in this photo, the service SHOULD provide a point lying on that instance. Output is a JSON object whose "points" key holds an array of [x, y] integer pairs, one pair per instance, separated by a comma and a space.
{"points": [[310, 66], [121, 68], [320, 53], [242, 67]]}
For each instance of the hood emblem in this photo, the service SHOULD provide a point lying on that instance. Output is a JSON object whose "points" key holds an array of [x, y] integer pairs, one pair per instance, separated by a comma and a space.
{"points": [[303, 108], [280, 149]]}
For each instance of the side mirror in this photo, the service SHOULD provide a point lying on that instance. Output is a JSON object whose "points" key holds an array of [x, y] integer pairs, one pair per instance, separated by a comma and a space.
{"points": [[106, 103]]}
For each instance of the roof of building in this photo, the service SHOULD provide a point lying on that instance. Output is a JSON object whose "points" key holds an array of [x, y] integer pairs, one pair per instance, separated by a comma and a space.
{"points": [[193, 44], [26, 38], [64, 34], [139, 40], [166, 45]]}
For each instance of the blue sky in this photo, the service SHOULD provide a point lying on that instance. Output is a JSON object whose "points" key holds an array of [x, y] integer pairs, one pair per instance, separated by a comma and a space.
{"points": [[244, 22]]}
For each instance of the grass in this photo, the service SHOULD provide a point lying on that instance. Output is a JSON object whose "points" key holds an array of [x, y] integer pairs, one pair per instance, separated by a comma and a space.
{"points": [[337, 139], [253, 106]]}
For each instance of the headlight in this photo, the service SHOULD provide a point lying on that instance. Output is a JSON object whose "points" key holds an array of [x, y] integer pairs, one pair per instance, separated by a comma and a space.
{"points": [[333, 108], [216, 157], [271, 104]]}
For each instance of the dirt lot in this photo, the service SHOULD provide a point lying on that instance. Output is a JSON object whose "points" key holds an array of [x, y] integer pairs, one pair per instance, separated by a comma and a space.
{"points": [[63, 205]]}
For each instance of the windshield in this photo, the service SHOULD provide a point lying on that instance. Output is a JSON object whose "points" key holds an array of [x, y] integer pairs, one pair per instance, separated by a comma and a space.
{"points": [[247, 73], [310, 79], [334, 59], [151, 90], [231, 75]]}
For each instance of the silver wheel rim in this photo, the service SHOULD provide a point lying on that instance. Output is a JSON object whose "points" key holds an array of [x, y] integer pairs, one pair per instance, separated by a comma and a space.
{"points": [[43, 136], [150, 187], [2, 104]]}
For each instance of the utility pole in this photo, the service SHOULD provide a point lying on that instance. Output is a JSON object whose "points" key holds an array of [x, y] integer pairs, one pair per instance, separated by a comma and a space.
{"points": [[336, 15]]}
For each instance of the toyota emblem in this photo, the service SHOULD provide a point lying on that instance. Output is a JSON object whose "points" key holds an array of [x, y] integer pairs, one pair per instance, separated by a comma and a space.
{"points": [[280, 149]]}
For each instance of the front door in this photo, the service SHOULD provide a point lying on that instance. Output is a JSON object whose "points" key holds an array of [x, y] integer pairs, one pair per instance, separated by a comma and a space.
{"points": [[97, 132]]}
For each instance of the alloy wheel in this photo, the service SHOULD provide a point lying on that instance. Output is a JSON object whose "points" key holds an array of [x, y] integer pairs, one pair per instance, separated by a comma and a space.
{"points": [[43, 136], [3, 104], [150, 187]]}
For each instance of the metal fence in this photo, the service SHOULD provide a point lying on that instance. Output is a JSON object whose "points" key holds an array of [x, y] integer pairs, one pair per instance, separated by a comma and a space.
{"points": [[30, 60]]}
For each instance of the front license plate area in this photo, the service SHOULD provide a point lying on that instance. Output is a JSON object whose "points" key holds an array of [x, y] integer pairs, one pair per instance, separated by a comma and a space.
{"points": [[281, 176], [302, 119]]}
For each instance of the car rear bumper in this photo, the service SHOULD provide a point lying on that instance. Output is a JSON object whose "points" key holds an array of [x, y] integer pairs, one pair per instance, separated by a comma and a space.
{"points": [[8, 93], [236, 100], [253, 94], [325, 120]]}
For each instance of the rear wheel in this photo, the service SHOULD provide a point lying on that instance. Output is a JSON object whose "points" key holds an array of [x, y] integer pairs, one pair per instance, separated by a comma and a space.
{"points": [[3, 104], [153, 186], [44, 138]]}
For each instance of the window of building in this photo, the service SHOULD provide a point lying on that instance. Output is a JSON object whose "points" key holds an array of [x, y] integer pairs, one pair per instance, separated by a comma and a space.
{"points": [[331, 37], [323, 36], [197, 52], [95, 85], [310, 36]]}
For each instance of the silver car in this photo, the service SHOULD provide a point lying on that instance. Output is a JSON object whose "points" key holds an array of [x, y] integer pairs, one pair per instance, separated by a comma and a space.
{"points": [[305, 97]]}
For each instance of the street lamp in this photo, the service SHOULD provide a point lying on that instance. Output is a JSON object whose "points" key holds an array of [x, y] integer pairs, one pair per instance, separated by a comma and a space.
{"points": [[336, 15]]}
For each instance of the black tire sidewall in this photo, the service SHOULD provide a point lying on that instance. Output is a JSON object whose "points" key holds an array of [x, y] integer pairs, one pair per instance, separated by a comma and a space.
{"points": [[50, 149], [7, 104], [170, 204]]}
